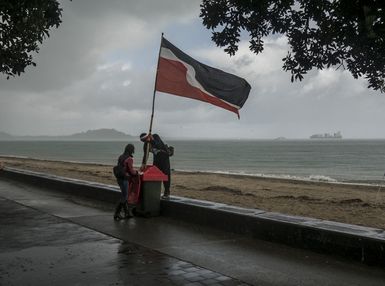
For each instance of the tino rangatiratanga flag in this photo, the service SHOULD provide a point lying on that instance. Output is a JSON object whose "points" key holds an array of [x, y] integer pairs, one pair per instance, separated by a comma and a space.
{"points": [[180, 74]]}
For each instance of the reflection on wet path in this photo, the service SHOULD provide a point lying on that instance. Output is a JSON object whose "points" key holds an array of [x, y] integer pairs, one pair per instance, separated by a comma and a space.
{"points": [[40, 249]]}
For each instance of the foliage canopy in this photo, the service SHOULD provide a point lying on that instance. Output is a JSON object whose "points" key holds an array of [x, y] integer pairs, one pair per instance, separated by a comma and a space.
{"points": [[24, 24], [320, 33]]}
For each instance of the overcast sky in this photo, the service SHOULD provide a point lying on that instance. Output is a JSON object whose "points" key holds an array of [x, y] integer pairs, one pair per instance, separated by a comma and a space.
{"points": [[97, 70]]}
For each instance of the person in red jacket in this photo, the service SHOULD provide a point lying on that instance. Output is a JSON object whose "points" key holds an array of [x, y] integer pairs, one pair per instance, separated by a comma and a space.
{"points": [[126, 161]]}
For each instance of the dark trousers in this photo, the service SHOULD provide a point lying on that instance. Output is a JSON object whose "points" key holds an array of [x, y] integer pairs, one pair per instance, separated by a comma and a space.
{"points": [[167, 184], [162, 161], [123, 185]]}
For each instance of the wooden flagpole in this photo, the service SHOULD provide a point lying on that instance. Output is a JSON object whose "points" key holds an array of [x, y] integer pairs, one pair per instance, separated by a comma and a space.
{"points": [[153, 104]]}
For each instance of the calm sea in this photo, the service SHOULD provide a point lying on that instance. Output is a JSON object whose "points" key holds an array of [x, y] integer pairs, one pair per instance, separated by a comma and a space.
{"points": [[324, 160]]}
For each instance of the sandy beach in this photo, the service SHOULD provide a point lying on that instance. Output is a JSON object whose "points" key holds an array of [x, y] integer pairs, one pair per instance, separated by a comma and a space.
{"points": [[347, 203]]}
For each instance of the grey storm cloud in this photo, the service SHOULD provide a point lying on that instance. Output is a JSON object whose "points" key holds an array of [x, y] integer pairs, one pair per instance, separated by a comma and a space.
{"points": [[89, 32], [98, 70]]}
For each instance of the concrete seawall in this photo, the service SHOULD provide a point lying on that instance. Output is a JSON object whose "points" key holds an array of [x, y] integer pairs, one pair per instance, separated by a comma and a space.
{"points": [[354, 242]]}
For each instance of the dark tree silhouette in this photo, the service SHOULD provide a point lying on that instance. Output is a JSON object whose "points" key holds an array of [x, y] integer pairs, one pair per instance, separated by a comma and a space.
{"points": [[24, 24], [320, 33]]}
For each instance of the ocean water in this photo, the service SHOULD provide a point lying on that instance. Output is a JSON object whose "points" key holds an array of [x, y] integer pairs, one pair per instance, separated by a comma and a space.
{"points": [[323, 160]]}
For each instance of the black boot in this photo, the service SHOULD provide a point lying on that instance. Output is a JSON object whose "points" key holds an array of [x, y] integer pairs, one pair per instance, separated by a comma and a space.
{"points": [[166, 194], [118, 209], [127, 211]]}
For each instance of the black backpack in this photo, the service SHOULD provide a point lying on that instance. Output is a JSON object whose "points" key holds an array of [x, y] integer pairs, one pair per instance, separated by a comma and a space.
{"points": [[170, 150], [119, 170], [159, 144]]}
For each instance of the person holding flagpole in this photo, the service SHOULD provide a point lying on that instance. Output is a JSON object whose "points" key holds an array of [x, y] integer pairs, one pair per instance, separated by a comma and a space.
{"points": [[161, 157]]}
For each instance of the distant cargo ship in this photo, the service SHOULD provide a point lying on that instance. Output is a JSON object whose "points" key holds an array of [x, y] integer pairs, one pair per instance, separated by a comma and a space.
{"points": [[336, 135]]}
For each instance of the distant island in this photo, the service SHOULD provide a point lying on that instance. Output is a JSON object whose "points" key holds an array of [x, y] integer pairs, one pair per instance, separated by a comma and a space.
{"points": [[336, 135], [103, 134]]}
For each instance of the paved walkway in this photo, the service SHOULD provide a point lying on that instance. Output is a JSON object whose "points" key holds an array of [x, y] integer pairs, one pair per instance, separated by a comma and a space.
{"points": [[48, 238]]}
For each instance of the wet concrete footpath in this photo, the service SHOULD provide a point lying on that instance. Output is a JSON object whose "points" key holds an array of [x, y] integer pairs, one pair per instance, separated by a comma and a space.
{"points": [[52, 238]]}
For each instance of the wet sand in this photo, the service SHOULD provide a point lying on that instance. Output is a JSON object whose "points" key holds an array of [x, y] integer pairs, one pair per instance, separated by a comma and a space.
{"points": [[348, 203]]}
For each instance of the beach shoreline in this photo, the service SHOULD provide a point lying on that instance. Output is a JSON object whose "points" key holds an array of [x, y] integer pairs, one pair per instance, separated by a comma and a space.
{"points": [[288, 178], [359, 204]]}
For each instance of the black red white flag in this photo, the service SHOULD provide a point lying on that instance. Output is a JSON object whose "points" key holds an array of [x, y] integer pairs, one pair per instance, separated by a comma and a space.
{"points": [[181, 75]]}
